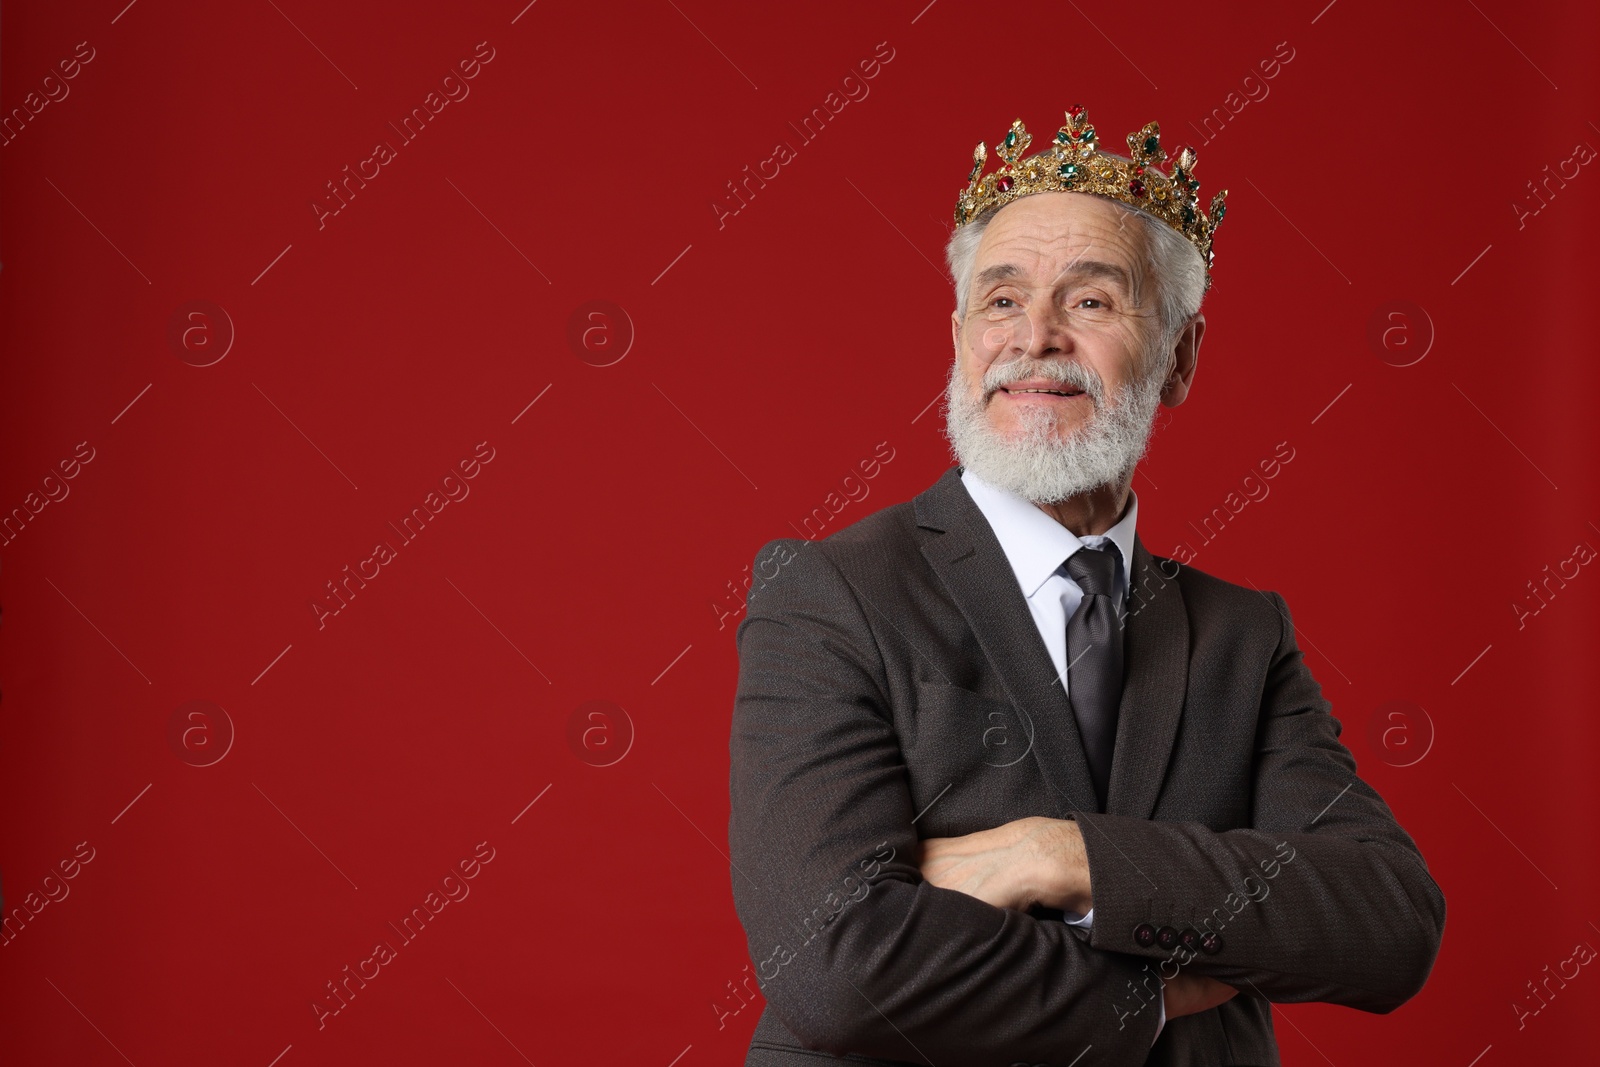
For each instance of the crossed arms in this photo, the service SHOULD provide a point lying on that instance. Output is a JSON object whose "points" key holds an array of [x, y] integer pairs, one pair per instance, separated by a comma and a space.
{"points": [[863, 950]]}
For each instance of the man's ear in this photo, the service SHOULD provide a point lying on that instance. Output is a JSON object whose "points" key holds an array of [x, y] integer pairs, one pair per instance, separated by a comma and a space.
{"points": [[955, 333], [1185, 355]]}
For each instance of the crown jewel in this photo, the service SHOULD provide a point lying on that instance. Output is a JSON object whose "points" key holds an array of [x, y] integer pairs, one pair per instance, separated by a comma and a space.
{"points": [[1074, 163]]}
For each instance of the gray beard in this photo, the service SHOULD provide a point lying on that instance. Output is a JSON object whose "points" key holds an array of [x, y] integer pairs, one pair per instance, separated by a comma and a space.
{"points": [[1032, 461]]}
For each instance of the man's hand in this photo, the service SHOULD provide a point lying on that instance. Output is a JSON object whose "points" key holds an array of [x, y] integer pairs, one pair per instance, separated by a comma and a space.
{"points": [[1023, 863], [1190, 993]]}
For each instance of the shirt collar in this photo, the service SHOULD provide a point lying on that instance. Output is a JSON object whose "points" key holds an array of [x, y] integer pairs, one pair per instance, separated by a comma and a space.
{"points": [[1034, 543]]}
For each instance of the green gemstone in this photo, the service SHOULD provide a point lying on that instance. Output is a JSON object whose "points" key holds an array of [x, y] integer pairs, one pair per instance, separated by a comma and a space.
{"points": [[1088, 133], [1221, 210], [1188, 216], [1062, 136], [1011, 138], [1151, 144], [1069, 171]]}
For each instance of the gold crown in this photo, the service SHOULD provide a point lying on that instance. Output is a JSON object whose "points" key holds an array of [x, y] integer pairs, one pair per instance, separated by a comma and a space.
{"points": [[1074, 163]]}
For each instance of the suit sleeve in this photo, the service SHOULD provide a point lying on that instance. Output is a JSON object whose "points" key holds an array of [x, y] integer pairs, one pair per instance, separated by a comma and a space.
{"points": [[1086, 922], [853, 950], [1323, 898]]}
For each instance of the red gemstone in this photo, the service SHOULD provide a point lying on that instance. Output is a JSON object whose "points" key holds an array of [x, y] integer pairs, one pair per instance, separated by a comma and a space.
{"points": [[1136, 187], [1003, 184], [1075, 110]]}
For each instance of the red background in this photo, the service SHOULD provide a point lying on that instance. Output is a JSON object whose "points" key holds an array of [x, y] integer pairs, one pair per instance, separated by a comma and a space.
{"points": [[773, 353]]}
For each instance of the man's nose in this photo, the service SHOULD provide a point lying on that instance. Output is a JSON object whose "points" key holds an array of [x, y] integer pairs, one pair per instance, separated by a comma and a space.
{"points": [[1043, 331]]}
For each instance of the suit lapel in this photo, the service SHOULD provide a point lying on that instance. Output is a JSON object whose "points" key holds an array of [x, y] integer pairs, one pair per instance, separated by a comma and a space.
{"points": [[967, 557]]}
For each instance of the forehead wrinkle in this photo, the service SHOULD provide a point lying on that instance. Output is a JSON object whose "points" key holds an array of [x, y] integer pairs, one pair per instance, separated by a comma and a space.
{"points": [[996, 272], [1041, 240], [1091, 268], [1132, 278], [1029, 243]]}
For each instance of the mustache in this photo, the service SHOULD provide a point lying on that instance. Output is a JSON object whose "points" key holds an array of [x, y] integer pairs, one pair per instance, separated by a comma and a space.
{"points": [[1074, 374]]}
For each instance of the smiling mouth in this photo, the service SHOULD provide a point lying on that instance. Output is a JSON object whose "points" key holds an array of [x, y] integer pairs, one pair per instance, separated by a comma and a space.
{"points": [[1064, 393]]}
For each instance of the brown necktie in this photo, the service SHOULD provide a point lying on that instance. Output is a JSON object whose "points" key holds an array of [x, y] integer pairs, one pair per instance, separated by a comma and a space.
{"points": [[1094, 659]]}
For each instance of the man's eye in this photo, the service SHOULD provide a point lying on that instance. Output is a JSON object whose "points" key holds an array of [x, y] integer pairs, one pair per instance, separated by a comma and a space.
{"points": [[1090, 301], [1001, 299]]}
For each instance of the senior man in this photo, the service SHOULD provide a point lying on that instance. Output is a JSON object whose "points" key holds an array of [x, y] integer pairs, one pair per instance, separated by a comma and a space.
{"points": [[1006, 787]]}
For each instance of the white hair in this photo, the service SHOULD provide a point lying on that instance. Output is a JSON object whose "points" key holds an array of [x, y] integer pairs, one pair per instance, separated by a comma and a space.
{"points": [[1175, 265]]}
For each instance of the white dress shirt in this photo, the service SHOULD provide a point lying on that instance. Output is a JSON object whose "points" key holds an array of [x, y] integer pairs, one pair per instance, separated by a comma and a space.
{"points": [[1037, 547]]}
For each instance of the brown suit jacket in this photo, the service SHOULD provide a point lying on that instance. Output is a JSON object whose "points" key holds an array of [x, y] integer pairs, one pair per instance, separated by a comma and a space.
{"points": [[893, 687]]}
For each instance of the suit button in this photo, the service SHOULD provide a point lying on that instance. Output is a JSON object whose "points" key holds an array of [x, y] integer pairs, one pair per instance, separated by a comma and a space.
{"points": [[1190, 938], [1211, 943], [1167, 937], [1144, 935]]}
